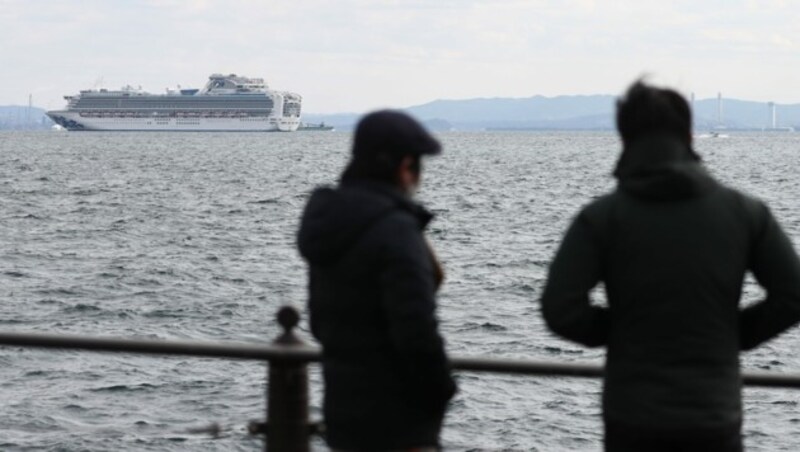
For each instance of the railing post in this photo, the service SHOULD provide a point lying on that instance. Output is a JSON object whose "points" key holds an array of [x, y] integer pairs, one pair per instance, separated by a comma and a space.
{"points": [[287, 394]]}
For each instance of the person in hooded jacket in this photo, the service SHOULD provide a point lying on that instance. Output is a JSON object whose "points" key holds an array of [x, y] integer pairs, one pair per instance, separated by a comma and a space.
{"points": [[671, 246], [372, 287]]}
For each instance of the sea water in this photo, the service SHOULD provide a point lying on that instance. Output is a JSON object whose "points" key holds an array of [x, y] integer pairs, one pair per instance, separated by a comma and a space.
{"points": [[192, 237]]}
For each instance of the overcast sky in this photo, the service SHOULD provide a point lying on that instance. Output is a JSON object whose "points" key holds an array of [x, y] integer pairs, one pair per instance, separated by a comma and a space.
{"points": [[356, 55]]}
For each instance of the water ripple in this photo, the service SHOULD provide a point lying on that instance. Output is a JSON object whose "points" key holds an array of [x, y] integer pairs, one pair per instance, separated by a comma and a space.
{"points": [[191, 236]]}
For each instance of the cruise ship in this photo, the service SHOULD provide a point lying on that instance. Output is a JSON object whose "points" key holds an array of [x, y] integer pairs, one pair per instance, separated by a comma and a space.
{"points": [[228, 103]]}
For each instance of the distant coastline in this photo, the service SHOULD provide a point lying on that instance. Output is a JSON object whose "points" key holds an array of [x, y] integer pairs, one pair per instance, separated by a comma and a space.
{"points": [[596, 112], [516, 114]]}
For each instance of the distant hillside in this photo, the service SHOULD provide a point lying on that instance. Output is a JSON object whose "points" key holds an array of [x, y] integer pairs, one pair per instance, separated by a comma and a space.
{"points": [[14, 117], [584, 112], [570, 113]]}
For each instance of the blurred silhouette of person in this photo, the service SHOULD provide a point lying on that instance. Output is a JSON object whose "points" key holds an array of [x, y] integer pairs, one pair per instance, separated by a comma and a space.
{"points": [[671, 246], [372, 287]]}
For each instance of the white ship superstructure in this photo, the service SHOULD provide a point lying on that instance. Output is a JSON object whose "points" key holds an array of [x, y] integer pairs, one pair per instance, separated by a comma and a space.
{"points": [[226, 103]]}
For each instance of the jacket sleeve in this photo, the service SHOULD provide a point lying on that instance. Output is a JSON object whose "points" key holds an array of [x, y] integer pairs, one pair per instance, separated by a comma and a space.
{"points": [[776, 267], [575, 270], [408, 298]]}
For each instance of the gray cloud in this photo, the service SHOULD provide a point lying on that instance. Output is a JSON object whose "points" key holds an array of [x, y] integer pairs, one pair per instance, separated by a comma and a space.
{"points": [[351, 55]]}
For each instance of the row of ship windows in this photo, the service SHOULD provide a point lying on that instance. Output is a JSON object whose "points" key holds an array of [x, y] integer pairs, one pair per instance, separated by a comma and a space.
{"points": [[173, 114], [139, 121], [178, 99], [180, 121], [194, 105], [291, 110]]}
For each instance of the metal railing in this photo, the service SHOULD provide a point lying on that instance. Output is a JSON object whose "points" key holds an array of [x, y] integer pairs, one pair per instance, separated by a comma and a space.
{"points": [[287, 426]]}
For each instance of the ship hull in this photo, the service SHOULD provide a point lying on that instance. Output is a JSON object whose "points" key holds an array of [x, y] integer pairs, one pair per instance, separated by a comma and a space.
{"points": [[74, 121]]}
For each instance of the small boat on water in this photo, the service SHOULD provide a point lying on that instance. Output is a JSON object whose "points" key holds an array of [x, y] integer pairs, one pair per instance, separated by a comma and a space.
{"points": [[713, 134], [308, 127]]}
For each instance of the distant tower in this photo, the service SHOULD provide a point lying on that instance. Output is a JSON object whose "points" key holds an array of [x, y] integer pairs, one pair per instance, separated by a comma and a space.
{"points": [[719, 109], [28, 114], [773, 112]]}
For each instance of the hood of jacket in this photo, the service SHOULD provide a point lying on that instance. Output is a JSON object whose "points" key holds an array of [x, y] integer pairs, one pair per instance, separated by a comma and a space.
{"points": [[662, 168], [335, 218]]}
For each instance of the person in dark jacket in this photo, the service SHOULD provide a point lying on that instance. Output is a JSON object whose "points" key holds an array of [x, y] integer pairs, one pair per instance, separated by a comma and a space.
{"points": [[372, 286], [671, 246]]}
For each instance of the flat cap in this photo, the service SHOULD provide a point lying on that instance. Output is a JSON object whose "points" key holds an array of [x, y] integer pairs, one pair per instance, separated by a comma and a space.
{"points": [[394, 132]]}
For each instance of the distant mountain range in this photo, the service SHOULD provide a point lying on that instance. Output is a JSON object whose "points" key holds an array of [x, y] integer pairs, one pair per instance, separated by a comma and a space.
{"points": [[538, 112], [594, 112]]}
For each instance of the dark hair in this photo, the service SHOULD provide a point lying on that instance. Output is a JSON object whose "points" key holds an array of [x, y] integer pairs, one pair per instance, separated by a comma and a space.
{"points": [[379, 166], [645, 110]]}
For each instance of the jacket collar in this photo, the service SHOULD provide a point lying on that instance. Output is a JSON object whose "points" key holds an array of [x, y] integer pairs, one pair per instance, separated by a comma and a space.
{"points": [[398, 198], [662, 167]]}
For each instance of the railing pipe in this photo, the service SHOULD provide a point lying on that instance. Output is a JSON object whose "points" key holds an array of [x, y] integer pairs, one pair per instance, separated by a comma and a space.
{"points": [[524, 367], [287, 427], [232, 350], [308, 353]]}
